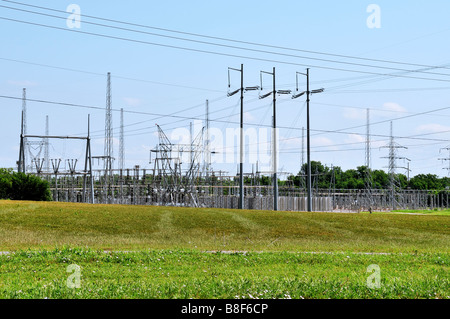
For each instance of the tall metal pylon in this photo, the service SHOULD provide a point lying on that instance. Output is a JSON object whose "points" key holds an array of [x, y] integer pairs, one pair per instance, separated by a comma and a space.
{"points": [[46, 147], [168, 178], [121, 143], [31, 157], [207, 154], [394, 182], [368, 178], [24, 128], [191, 139], [108, 152], [368, 153]]}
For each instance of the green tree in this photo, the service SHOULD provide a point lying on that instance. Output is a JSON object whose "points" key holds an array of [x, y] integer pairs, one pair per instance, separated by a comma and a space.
{"points": [[265, 180], [5, 183], [426, 181], [20, 186], [380, 179], [323, 177]]}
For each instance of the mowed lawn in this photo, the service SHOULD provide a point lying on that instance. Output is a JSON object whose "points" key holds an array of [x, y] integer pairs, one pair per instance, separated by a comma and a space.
{"points": [[39, 225], [168, 252]]}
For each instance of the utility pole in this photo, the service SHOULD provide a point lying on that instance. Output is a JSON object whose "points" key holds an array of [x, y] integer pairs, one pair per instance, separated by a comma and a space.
{"points": [[274, 92], [88, 166], [274, 138], [274, 143], [241, 127], [308, 144], [308, 139], [408, 170], [241, 138], [303, 148], [241, 147]]}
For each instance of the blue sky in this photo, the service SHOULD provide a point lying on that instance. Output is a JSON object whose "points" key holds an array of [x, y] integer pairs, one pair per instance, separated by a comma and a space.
{"points": [[61, 65]]}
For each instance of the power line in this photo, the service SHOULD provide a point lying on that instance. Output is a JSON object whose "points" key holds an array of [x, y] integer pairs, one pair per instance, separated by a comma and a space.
{"points": [[384, 90], [113, 76], [236, 47], [220, 53], [231, 40], [374, 109], [320, 131], [388, 120], [159, 117]]}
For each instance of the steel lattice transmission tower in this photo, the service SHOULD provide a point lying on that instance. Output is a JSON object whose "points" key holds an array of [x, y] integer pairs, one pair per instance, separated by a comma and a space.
{"points": [[30, 158], [368, 178], [24, 127], [46, 147], [108, 135], [169, 179], [394, 182], [121, 143], [207, 146]]}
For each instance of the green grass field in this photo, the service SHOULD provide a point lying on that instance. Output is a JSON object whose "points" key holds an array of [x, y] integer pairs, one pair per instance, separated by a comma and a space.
{"points": [[168, 252], [435, 211]]}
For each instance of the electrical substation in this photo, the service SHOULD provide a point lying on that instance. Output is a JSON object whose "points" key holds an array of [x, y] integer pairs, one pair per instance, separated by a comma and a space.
{"points": [[183, 174]]}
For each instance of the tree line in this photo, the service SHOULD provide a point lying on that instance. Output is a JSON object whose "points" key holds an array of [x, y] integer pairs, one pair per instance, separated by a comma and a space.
{"points": [[324, 177]]}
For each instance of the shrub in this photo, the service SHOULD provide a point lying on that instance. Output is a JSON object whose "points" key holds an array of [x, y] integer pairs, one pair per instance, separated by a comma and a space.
{"points": [[5, 183], [20, 186]]}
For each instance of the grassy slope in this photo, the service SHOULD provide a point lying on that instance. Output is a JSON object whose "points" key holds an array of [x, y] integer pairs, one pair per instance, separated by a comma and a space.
{"points": [[436, 211], [169, 261], [34, 225]]}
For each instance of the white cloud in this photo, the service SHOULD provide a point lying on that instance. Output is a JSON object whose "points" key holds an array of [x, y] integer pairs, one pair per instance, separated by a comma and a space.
{"points": [[297, 141], [131, 101], [248, 117], [362, 139], [323, 142], [432, 128], [355, 138], [22, 83], [393, 107], [142, 149], [378, 144], [101, 141], [354, 114]]}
